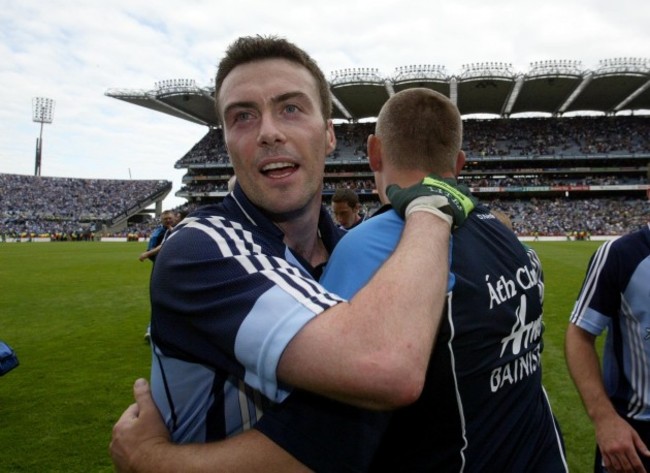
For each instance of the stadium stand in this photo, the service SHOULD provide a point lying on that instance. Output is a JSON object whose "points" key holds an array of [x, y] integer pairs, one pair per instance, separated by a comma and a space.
{"points": [[552, 173], [544, 172], [63, 208]]}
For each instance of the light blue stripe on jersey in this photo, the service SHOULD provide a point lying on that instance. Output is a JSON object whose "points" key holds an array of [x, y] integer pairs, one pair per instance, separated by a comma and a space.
{"points": [[635, 314], [275, 317], [583, 316], [234, 233], [633, 319], [263, 335], [242, 406], [193, 396], [185, 406]]}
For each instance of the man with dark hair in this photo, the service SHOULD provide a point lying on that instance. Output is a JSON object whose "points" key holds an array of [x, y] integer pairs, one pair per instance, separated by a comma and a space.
{"points": [[346, 208], [238, 316]]}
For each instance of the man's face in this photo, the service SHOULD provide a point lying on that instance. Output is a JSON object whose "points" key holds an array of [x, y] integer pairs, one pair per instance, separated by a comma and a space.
{"points": [[345, 215], [275, 134], [168, 220]]}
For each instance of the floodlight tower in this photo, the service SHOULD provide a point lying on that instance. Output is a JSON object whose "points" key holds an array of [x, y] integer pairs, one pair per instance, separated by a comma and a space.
{"points": [[42, 111]]}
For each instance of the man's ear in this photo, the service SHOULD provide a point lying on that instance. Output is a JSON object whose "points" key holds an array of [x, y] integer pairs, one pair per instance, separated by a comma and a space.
{"points": [[460, 162], [374, 153], [331, 137]]}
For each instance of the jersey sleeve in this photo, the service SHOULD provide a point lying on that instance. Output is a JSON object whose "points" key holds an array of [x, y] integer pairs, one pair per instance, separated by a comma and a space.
{"points": [[220, 299], [599, 297]]}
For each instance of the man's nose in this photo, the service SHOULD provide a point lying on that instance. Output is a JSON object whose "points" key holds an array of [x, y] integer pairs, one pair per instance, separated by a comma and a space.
{"points": [[270, 131]]}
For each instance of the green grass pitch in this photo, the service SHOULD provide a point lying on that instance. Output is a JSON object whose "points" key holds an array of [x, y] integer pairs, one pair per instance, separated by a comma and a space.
{"points": [[76, 313]]}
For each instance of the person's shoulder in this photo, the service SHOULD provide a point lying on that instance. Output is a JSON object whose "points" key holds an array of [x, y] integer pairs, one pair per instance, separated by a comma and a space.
{"points": [[629, 248], [641, 235], [206, 211], [481, 216], [382, 230], [382, 220]]}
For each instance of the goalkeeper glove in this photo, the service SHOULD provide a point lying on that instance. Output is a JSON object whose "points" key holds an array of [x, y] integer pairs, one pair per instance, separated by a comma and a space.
{"points": [[443, 197]]}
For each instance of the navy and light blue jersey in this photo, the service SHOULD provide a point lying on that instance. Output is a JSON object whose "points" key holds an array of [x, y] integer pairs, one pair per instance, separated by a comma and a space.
{"points": [[615, 295], [227, 296], [483, 407]]}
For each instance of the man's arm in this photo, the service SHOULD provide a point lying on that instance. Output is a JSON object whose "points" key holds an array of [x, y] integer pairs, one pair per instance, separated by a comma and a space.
{"points": [[373, 351], [619, 443], [149, 253], [141, 444]]}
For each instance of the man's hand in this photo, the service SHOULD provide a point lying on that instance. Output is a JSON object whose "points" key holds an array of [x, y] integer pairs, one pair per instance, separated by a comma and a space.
{"points": [[620, 446], [443, 197], [138, 432]]}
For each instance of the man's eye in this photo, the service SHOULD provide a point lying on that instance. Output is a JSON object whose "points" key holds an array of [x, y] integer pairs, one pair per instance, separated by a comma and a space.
{"points": [[242, 116], [291, 109]]}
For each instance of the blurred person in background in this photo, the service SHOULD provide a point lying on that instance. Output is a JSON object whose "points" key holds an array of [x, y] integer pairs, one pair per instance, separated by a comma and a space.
{"points": [[346, 208], [168, 220]]}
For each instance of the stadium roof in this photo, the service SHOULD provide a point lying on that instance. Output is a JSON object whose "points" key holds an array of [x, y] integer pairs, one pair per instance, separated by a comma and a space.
{"points": [[548, 87]]}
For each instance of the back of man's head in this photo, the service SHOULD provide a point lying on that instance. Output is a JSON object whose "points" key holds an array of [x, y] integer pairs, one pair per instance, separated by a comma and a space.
{"points": [[420, 129], [248, 49]]}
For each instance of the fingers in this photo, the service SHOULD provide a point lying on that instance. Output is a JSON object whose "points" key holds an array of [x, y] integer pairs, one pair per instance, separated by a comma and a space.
{"points": [[142, 395], [132, 412], [143, 399], [641, 446], [140, 388], [623, 463]]}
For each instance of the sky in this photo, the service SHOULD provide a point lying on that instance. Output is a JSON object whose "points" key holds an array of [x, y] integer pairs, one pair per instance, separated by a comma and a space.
{"points": [[73, 52]]}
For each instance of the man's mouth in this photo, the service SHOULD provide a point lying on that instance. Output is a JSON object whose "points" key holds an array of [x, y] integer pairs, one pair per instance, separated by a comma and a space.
{"points": [[279, 170]]}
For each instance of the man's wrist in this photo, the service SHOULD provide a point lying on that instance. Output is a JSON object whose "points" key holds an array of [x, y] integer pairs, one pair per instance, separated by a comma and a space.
{"points": [[428, 216], [418, 206]]}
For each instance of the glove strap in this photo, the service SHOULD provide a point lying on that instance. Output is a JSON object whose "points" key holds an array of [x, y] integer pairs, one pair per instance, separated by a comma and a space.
{"points": [[431, 204]]}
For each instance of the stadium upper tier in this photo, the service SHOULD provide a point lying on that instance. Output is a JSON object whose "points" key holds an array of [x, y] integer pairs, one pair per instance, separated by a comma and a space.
{"points": [[61, 204], [590, 156], [551, 87]]}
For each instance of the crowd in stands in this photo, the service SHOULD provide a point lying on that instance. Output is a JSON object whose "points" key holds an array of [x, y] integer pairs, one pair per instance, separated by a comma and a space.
{"points": [[359, 185], [210, 149], [558, 217], [563, 216], [67, 208], [557, 136], [551, 181], [487, 138], [368, 185]]}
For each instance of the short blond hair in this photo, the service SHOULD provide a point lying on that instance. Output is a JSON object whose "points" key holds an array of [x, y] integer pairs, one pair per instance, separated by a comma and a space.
{"points": [[420, 129]]}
